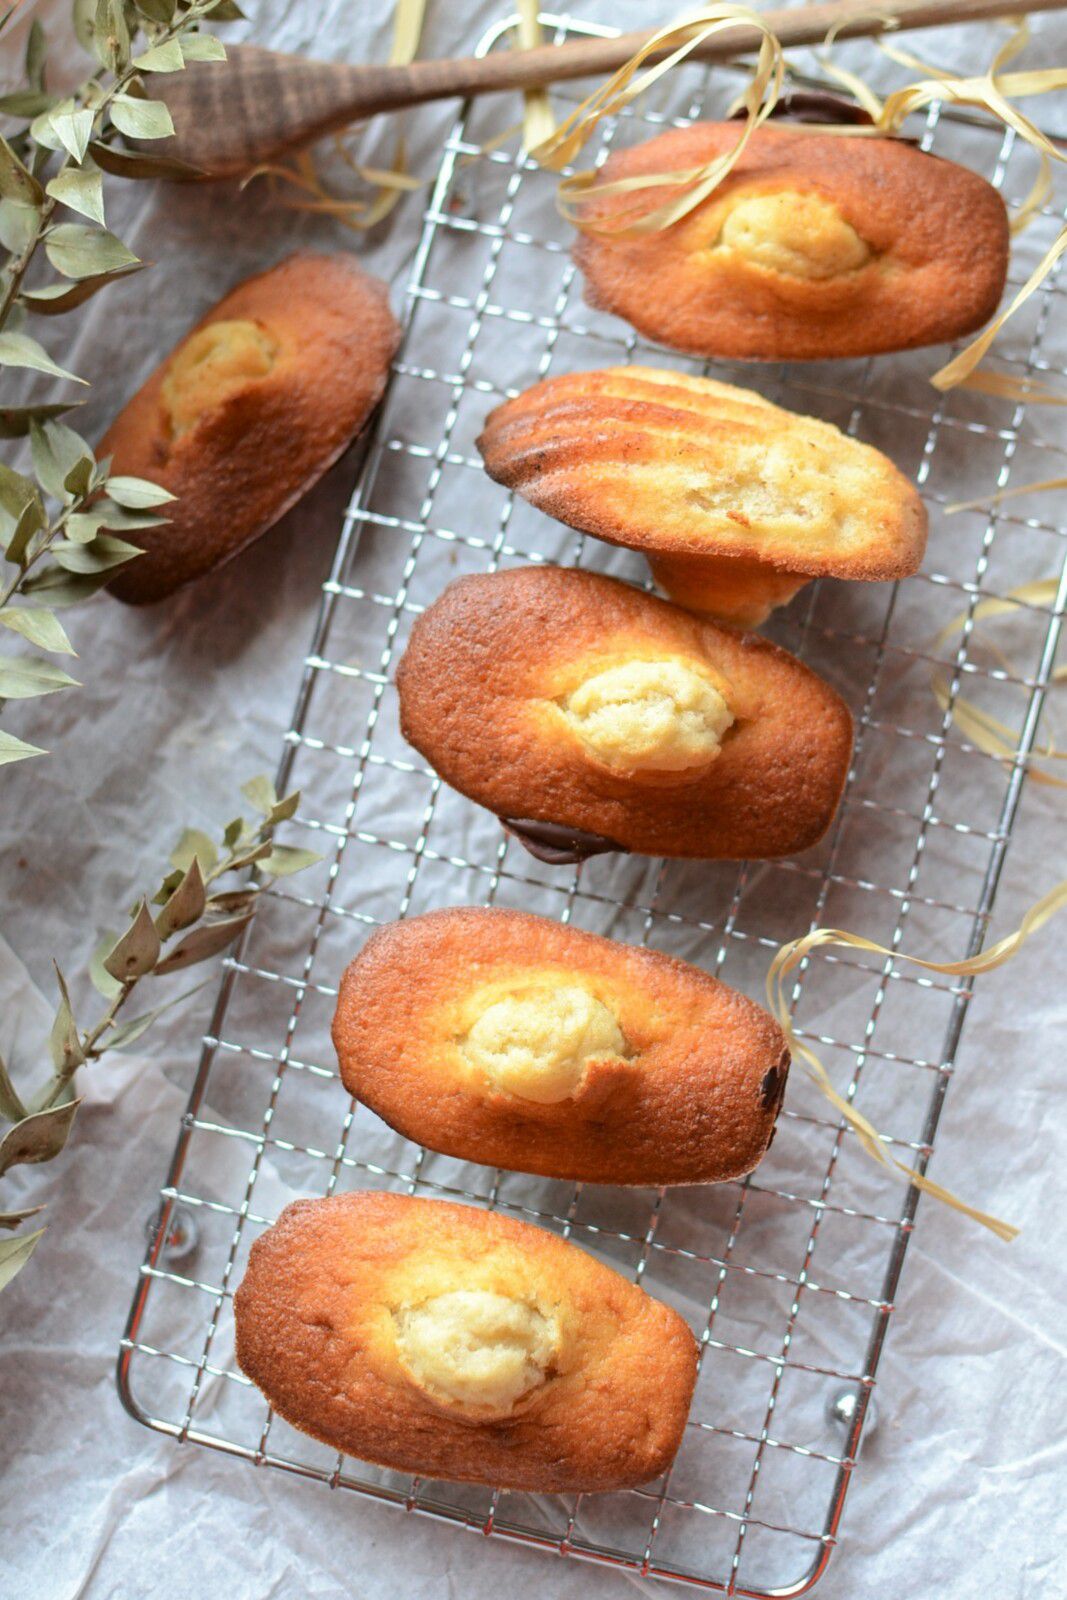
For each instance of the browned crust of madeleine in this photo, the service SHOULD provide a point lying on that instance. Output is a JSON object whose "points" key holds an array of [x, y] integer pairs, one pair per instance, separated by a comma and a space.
{"points": [[695, 1103], [485, 660], [938, 235], [308, 1316], [623, 453], [249, 459]]}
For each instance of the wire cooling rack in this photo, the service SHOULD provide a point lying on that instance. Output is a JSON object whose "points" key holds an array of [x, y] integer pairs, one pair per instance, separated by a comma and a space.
{"points": [[788, 1278]]}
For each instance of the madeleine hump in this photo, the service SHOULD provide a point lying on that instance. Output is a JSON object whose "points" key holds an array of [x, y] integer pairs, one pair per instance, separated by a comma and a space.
{"points": [[815, 246], [458, 1343], [514, 1041], [249, 411], [736, 502], [552, 696]]}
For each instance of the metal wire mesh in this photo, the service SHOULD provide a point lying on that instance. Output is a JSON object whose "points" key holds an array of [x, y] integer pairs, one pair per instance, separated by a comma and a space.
{"points": [[788, 1277]]}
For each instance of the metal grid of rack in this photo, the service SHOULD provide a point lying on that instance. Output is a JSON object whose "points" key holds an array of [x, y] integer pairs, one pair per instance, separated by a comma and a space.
{"points": [[788, 1277]]}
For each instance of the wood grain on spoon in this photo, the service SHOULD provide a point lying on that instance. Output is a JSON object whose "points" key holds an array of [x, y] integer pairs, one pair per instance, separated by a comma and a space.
{"points": [[257, 105]]}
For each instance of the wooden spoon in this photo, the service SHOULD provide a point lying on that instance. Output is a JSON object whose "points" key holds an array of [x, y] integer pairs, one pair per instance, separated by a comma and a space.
{"points": [[233, 115]]}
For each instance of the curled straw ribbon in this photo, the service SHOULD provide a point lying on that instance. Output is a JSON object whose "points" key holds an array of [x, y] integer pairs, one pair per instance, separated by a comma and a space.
{"points": [[791, 955]]}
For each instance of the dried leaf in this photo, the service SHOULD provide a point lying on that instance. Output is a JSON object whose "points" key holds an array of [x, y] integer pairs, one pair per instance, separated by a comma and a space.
{"points": [[11, 1105], [130, 164], [57, 450], [15, 420], [16, 491], [64, 1041], [12, 749], [24, 677], [111, 35], [197, 845], [138, 949], [37, 1138], [52, 299], [233, 901], [16, 182], [14, 1219], [18, 224], [19, 350], [36, 54], [203, 47], [141, 119], [157, 10], [99, 555], [137, 494], [165, 57], [247, 858], [100, 977], [42, 628], [14, 1254], [185, 905], [285, 808], [78, 251], [82, 190], [285, 859], [204, 942], [30, 520], [259, 792], [224, 11], [72, 129], [59, 588]]}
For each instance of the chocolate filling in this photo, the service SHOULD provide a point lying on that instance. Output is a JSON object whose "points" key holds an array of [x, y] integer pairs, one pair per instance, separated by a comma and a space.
{"points": [[557, 844], [821, 107], [772, 1089]]}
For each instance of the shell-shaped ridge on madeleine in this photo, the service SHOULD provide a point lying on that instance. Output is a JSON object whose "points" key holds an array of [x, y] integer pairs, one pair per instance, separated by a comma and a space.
{"points": [[676, 465]]}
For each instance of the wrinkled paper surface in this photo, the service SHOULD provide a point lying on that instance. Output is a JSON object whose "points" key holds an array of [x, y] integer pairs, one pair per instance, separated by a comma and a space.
{"points": [[956, 1493]]}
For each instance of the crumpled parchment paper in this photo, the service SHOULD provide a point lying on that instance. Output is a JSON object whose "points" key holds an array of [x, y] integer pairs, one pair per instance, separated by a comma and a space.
{"points": [[960, 1480]]}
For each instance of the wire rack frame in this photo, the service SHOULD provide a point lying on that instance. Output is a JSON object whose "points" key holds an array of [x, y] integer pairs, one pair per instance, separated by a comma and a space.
{"points": [[753, 1504]]}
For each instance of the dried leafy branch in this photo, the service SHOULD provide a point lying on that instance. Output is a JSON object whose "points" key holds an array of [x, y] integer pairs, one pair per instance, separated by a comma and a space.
{"points": [[63, 524], [195, 920]]}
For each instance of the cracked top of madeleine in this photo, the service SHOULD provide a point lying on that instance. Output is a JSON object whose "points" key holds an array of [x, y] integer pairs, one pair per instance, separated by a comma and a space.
{"points": [[562, 697], [664, 462], [459, 1343], [814, 246]]}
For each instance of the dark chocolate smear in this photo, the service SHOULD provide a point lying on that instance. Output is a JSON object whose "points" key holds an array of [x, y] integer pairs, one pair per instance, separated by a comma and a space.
{"points": [[818, 106], [822, 109], [772, 1089], [557, 844]]}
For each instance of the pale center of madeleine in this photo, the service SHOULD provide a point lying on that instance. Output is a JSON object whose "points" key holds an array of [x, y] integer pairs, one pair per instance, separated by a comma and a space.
{"points": [[536, 1043], [476, 1350], [799, 235], [212, 364], [660, 716]]}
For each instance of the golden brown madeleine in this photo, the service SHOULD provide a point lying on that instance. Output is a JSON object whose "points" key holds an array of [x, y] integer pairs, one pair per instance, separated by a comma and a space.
{"points": [[814, 246], [456, 1343], [514, 1041], [558, 697], [249, 410], [735, 501]]}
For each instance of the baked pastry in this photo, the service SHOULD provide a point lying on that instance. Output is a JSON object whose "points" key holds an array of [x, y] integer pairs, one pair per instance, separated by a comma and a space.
{"points": [[457, 1343], [736, 502], [518, 1042], [591, 716], [249, 411], [815, 245]]}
